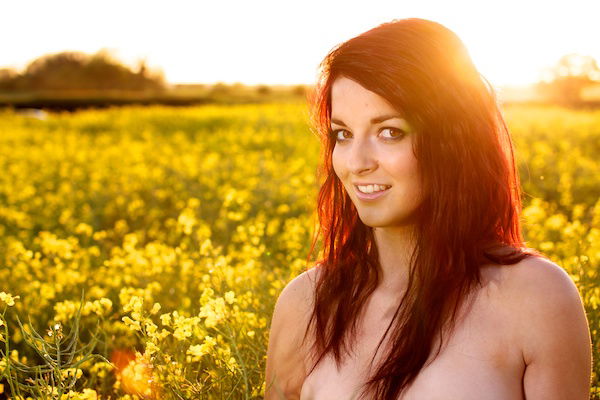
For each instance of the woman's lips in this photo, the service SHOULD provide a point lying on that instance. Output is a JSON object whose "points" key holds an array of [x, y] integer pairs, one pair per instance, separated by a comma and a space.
{"points": [[370, 196]]}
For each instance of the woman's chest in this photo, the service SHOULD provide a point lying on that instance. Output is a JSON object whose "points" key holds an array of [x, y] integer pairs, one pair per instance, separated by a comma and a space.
{"points": [[479, 361]]}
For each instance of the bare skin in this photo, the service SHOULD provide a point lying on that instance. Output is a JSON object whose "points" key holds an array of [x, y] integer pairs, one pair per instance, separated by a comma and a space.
{"points": [[518, 340], [480, 361]]}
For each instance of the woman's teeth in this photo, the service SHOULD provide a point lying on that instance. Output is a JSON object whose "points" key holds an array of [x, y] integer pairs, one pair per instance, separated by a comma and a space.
{"points": [[373, 188]]}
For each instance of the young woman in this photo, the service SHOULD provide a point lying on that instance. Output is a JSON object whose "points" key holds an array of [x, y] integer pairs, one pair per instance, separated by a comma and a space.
{"points": [[425, 289]]}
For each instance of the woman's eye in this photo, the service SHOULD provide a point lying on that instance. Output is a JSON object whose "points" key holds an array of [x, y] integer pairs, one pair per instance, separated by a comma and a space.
{"points": [[393, 133], [339, 134]]}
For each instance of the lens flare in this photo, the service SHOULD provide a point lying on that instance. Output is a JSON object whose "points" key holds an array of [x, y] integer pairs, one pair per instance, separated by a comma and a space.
{"points": [[135, 374]]}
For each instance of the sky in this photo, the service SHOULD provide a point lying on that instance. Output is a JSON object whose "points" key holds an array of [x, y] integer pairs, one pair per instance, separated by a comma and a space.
{"points": [[282, 42]]}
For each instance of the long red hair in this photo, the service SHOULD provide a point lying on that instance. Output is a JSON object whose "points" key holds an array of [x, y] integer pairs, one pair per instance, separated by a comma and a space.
{"points": [[470, 214]]}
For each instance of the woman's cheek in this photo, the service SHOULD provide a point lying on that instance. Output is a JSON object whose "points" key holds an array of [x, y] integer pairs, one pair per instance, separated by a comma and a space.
{"points": [[335, 161]]}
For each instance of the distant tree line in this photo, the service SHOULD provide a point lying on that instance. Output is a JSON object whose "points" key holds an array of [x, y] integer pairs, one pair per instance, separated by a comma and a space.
{"points": [[565, 81], [100, 72], [79, 71]]}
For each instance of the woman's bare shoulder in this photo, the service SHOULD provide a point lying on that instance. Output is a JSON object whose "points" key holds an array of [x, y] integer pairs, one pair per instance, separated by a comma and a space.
{"points": [[532, 282], [286, 354], [536, 276], [553, 327], [525, 278], [299, 292]]}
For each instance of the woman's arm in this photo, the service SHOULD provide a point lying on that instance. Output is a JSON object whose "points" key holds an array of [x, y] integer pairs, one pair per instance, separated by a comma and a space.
{"points": [[556, 341], [285, 367]]}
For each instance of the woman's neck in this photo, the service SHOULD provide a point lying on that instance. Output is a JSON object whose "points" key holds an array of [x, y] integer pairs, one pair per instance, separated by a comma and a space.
{"points": [[394, 245]]}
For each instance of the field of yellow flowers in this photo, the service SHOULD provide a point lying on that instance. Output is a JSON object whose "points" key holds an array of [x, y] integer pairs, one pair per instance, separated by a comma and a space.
{"points": [[143, 249]]}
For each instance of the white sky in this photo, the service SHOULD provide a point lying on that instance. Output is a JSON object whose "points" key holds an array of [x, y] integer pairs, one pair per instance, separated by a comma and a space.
{"points": [[279, 41]]}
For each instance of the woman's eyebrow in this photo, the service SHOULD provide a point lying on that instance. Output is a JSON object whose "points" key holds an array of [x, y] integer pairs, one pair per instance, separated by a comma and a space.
{"points": [[374, 120]]}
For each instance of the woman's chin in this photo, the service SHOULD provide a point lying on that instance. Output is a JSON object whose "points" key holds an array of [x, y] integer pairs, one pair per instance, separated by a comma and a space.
{"points": [[375, 221], [385, 221]]}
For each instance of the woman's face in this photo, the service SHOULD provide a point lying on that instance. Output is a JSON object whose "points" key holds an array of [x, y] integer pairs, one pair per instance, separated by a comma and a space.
{"points": [[374, 147]]}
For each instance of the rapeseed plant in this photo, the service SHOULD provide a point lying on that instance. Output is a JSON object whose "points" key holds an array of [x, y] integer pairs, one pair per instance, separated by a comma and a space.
{"points": [[184, 224]]}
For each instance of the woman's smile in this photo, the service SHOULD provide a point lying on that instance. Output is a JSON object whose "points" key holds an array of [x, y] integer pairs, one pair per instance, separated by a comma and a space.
{"points": [[371, 192]]}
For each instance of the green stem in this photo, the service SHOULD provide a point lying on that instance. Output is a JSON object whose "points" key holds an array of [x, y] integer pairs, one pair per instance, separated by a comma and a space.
{"points": [[242, 364], [13, 389]]}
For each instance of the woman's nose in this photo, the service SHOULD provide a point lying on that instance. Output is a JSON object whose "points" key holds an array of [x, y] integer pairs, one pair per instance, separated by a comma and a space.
{"points": [[361, 158]]}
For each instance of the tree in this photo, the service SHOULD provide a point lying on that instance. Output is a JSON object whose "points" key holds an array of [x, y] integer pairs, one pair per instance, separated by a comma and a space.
{"points": [[299, 90], [263, 90], [8, 77], [79, 71], [564, 82]]}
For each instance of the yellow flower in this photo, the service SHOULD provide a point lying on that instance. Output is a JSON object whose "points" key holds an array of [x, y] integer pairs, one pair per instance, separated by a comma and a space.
{"points": [[135, 304], [99, 235], [84, 229], [106, 303], [64, 310], [150, 327], [163, 334], [71, 372], [155, 308], [232, 363], [195, 350], [214, 312], [101, 369], [207, 294], [210, 342], [8, 298], [205, 247], [131, 324], [187, 220], [230, 297], [151, 348], [165, 319], [556, 222], [198, 350], [89, 394], [182, 332]]}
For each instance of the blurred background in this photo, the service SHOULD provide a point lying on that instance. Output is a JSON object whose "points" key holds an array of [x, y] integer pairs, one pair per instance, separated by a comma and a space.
{"points": [[64, 54]]}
